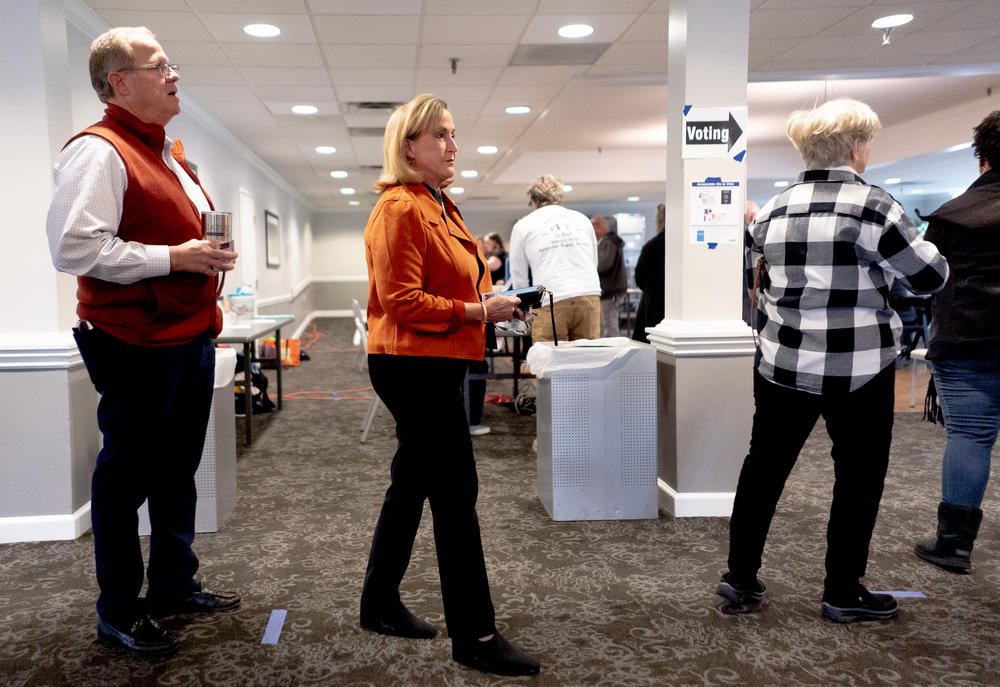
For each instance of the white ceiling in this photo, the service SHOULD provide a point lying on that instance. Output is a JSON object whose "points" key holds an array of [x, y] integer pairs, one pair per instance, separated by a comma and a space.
{"points": [[601, 125]]}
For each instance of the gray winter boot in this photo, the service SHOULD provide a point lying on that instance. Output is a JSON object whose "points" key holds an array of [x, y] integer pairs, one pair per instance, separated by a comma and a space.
{"points": [[956, 532]]}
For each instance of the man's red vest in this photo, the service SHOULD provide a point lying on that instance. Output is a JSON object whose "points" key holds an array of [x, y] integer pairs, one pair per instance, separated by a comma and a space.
{"points": [[160, 311]]}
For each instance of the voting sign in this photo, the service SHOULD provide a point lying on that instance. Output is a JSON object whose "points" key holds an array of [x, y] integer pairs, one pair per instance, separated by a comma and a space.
{"points": [[715, 132]]}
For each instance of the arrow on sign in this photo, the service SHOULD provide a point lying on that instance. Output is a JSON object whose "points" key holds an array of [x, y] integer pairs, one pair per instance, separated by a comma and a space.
{"points": [[713, 133]]}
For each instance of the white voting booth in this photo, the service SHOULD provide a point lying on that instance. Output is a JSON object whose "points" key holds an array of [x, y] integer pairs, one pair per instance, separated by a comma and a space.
{"points": [[215, 480], [596, 419]]}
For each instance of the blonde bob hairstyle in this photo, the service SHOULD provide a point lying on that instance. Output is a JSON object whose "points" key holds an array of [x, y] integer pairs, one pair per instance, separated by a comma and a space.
{"points": [[110, 52], [408, 122], [825, 135]]}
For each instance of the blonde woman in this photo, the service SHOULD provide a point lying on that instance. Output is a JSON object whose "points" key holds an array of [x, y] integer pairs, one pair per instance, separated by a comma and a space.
{"points": [[426, 323], [827, 347]]}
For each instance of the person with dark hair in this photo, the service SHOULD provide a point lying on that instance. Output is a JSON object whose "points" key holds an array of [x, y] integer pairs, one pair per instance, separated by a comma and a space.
{"points": [[964, 351], [611, 269], [126, 220], [823, 250], [650, 275], [427, 320], [496, 257]]}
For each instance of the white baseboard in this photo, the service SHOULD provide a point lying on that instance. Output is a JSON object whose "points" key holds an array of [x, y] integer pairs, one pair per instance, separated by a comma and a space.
{"points": [[694, 504], [45, 527]]}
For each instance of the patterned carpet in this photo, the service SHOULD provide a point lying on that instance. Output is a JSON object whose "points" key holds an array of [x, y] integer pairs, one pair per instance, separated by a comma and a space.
{"points": [[600, 603]]}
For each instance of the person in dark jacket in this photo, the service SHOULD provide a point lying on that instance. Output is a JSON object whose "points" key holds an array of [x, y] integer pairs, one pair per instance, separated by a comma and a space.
{"points": [[650, 276], [611, 268], [965, 351]]}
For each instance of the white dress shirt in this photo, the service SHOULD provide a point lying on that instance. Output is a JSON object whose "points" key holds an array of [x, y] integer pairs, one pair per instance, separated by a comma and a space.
{"points": [[82, 224]]}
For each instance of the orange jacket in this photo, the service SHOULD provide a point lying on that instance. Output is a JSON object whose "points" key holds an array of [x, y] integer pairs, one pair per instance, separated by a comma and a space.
{"points": [[423, 266]]}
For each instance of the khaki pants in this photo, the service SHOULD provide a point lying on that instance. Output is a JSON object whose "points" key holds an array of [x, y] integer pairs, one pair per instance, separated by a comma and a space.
{"points": [[576, 318]]}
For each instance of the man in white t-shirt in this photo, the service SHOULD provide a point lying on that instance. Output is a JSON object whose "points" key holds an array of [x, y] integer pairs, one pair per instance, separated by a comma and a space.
{"points": [[555, 247]]}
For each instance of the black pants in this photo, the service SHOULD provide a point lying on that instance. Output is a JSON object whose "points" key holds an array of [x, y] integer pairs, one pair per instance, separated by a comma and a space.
{"points": [[433, 461], [860, 426], [153, 413]]}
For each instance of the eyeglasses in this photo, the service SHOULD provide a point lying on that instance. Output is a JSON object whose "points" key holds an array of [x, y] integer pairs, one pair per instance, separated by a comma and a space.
{"points": [[164, 68]]}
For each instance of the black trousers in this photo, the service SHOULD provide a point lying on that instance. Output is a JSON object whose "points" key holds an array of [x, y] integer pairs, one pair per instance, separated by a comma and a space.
{"points": [[153, 413], [860, 426], [433, 462]]}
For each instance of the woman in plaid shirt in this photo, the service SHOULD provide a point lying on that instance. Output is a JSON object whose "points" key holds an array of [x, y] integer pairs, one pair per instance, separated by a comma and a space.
{"points": [[826, 249]]}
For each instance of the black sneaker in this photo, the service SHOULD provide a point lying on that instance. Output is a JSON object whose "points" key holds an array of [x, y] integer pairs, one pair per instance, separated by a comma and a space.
{"points": [[862, 605], [144, 637], [741, 593]]}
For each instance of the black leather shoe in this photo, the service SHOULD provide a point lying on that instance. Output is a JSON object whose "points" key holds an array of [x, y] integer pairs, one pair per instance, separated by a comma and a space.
{"points": [[204, 601], [496, 656], [861, 605], [144, 637], [399, 623]]}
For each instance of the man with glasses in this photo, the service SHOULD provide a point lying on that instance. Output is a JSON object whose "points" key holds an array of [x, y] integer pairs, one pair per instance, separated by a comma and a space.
{"points": [[125, 219]]}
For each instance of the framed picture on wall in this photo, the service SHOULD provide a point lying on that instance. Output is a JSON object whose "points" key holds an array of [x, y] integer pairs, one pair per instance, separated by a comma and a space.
{"points": [[272, 239]]}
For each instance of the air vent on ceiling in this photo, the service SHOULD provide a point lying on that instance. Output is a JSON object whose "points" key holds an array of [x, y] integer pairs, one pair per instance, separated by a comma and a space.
{"points": [[366, 131], [546, 54], [370, 107]]}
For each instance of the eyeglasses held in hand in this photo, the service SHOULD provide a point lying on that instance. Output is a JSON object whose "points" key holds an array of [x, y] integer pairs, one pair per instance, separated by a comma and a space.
{"points": [[164, 68]]}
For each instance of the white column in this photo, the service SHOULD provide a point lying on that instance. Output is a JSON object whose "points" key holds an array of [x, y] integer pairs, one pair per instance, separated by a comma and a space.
{"points": [[48, 433], [704, 350]]}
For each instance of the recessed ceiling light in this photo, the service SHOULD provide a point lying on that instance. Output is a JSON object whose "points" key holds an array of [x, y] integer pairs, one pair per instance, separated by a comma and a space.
{"points": [[780, 184], [518, 109], [894, 180], [892, 21], [456, 190], [567, 188], [487, 150], [576, 30], [262, 30], [305, 109], [470, 173], [632, 199], [326, 150], [347, 191], [338, 174], [354, 202]]}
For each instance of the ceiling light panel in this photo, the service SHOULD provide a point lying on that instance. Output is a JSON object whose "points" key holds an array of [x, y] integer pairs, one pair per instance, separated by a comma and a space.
{"points": [[543, 28], [262, 30], [228, 28]]}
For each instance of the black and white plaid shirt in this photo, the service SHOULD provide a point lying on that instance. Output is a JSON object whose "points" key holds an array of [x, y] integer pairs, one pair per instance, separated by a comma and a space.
{"points": [[831, 242]]}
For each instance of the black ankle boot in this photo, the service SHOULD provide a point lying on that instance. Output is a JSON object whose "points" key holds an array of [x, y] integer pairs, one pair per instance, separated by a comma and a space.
{"points": [[957, 529], [496, 656]]}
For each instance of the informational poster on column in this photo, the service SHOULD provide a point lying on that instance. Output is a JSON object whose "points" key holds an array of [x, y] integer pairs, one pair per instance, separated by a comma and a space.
{"points": [[716, 211]]}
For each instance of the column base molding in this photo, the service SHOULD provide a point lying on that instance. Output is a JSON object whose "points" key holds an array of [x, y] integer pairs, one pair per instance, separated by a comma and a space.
{"points": [[45, 527], [694, 504]]}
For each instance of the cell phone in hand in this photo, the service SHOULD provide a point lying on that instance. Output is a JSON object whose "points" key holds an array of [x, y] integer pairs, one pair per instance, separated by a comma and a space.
{"points": [[531, 297]]}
